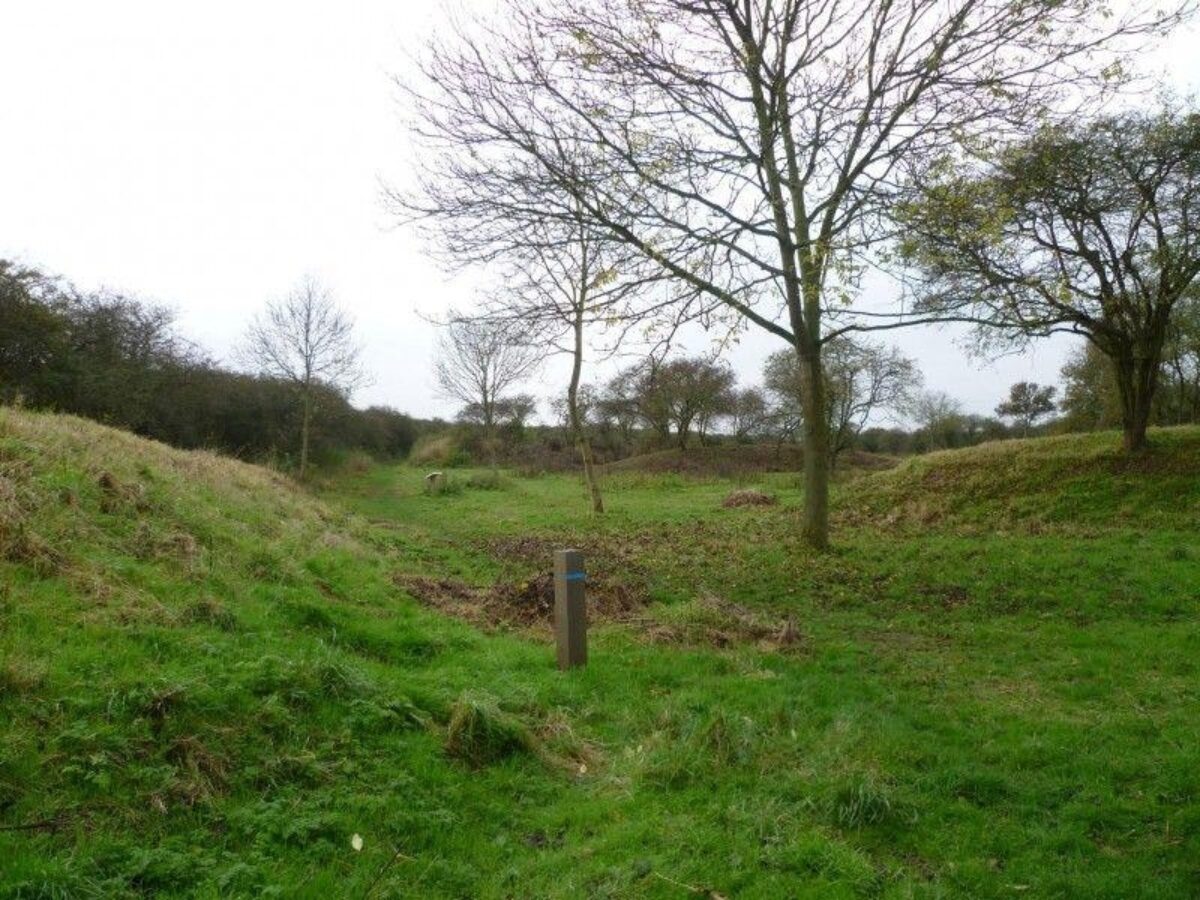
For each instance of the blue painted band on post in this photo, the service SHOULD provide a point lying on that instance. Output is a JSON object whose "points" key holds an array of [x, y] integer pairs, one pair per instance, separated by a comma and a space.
{"points": [[576, 576]]}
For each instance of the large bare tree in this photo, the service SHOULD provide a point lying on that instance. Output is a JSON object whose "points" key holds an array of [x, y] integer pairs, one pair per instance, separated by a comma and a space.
{"points": [[478, 363], [862, 380], [305, 338], [752, 148], [560, 280]]}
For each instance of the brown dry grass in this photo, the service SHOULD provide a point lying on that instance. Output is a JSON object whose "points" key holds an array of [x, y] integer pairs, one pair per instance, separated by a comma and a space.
{"points": [[748, 497]]}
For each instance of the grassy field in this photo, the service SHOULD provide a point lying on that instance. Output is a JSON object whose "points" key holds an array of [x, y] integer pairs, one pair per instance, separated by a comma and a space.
{"points": [[212, 684]]}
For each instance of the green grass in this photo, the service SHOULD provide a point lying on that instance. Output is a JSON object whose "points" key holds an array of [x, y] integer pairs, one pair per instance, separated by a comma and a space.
{"points": [[210, 683]]}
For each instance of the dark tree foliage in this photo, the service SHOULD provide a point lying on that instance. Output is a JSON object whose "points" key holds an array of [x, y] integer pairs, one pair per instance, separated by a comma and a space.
{"points": [[1027, 402], [1089, 228], [676, 398], [117, 360], [1091, 399]]}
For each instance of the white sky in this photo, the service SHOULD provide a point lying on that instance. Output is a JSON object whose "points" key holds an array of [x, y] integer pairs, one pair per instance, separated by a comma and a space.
{"points": [[206, 155]]}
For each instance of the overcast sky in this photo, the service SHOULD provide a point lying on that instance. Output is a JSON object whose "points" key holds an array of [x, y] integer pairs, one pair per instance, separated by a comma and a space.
{"points": [[207, 155]]}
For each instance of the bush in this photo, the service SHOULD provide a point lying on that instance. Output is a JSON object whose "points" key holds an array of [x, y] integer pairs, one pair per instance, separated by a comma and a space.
{"points": [[433, 450], [119, 361]]}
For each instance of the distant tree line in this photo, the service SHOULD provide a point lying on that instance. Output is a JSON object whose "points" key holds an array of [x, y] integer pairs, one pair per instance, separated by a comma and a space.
{"points": [[119, 360], [684, 402]]}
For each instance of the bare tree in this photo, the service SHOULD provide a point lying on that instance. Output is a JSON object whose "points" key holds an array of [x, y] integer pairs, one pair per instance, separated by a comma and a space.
{"points": [[750, 416], [307, 340], [939, 418], [862, 379], [752, 148], [562, 283], [478, 363], [1089, 228], [562, 279]]}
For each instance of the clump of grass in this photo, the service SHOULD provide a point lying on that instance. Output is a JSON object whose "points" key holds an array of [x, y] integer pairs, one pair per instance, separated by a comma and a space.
{"points": [[152, 543], [714, 621], [486, 481], [117, 496], [436, 450], [209, 611], [480, 733], [861, 801], [20, 544], [727, 740], [309, 615], [698, 746], [301, 682], [383, 716], [443, 485], [264, 565], [559, 744], [19, 678], [748, 497], [200, 773]]}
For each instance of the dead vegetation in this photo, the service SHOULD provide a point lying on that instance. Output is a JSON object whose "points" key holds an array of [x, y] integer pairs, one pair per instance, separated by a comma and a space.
{"points": [[117, 496], [522, 604], [713, 621], [479, 733], [528, 603], [726, 461], [748, 497]]}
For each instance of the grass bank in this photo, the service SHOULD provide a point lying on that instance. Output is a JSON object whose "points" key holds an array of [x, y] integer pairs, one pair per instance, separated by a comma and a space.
{"points": [[211, 683]]}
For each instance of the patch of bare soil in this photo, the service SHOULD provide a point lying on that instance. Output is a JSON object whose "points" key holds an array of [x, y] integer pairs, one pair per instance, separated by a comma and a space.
{"points": [[527, 603], [616, 593], [610, 560], [748, 498]]}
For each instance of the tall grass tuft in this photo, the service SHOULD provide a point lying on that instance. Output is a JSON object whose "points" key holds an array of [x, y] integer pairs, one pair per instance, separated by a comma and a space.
{"points": [[480, 733]]}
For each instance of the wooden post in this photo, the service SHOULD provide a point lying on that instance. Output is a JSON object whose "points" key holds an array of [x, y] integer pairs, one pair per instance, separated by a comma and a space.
{"points": [[570, 613]]}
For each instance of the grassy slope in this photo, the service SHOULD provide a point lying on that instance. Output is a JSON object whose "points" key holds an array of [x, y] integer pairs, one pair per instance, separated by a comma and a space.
{"points": [[734, 460], [208, 683]]}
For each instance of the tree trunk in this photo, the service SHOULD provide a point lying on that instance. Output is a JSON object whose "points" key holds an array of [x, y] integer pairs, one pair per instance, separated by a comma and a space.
{"points": [[589, 473], [305, 423], [816, 451], [581, 438], [1137, 379], [489, 436]]}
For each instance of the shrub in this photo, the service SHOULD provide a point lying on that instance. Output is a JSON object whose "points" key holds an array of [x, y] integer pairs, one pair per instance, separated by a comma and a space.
{"points": [[433, 450]]}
